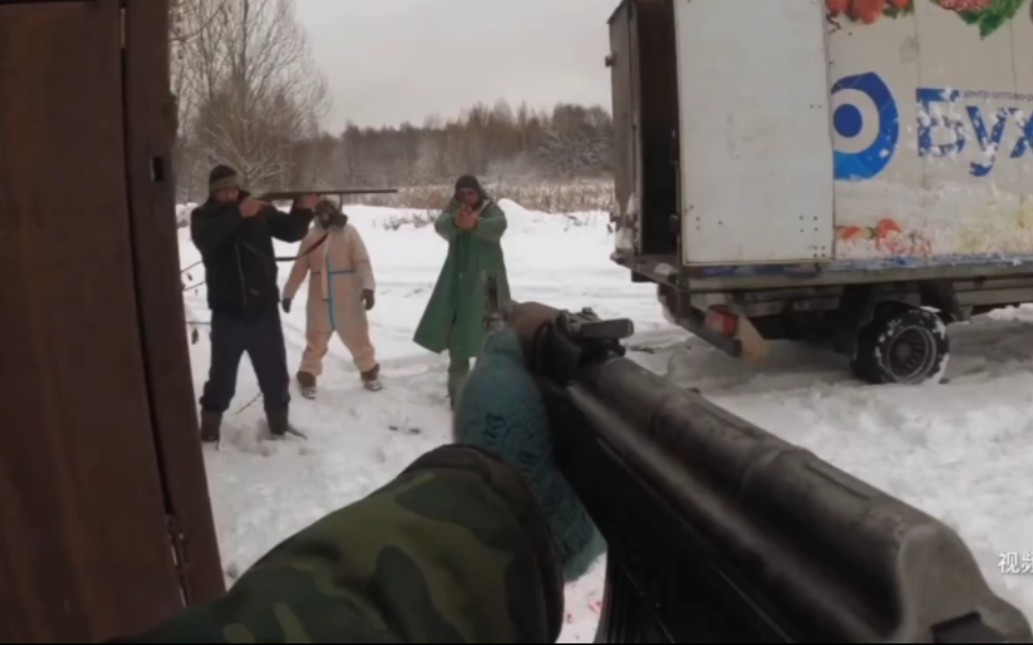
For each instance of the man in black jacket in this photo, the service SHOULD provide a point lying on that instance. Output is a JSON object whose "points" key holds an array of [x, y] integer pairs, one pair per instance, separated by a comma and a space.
{"points": [[234, 233]]}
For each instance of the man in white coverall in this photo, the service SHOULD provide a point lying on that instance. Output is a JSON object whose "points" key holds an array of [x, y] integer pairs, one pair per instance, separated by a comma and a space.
{"points": [[340, 293]]}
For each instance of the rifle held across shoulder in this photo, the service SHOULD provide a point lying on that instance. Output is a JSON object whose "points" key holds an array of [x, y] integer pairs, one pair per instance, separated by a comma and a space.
{"points": [[290, 195]]}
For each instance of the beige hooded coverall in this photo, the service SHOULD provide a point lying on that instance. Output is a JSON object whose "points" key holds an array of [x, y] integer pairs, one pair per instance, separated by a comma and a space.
{"points": [[341, 270]]}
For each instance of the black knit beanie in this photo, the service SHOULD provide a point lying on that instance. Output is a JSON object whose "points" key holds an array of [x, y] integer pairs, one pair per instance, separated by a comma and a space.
{"points": [[222, 177], [469, 181]]}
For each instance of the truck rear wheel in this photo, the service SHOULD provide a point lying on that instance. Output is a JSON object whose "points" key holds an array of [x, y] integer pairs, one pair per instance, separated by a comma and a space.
{"points": [[902, 344]]}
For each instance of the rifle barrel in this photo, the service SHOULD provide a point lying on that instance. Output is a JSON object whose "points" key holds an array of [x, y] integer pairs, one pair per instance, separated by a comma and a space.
{"points": [[816, 551], [718, 529], [294, 194]]}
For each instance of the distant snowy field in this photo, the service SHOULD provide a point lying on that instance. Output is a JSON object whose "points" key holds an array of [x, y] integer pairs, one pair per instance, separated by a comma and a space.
{"points": [[960, 451]]}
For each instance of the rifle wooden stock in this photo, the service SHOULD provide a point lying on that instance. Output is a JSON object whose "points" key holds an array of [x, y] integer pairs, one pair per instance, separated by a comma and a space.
{"points": [[719, 530]]}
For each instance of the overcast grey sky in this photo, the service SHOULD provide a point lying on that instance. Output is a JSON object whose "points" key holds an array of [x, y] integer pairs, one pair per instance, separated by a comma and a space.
{"points": [[388, 61]]}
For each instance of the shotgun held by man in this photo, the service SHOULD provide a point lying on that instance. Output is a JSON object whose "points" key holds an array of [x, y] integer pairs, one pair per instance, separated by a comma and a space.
{"points": [[290, 195]]}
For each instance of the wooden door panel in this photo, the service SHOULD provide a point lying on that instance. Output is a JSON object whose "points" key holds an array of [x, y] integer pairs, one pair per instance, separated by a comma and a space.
{"points": [[83, 545], [151, 124]]}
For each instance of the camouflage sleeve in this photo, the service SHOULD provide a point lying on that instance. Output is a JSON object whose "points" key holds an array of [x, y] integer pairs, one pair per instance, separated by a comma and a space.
{"points": [[455, 549]]}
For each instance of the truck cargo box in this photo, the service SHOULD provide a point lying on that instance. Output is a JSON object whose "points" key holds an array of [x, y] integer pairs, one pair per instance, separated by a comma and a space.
{"points": [[788, 138], [841, 170]]}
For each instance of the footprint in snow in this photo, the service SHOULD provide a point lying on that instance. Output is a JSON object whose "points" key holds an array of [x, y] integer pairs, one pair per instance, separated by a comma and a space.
{"points": [[250, 441]]}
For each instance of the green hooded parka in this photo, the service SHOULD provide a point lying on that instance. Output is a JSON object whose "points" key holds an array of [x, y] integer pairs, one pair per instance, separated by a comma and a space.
{"points": [[454, 318]]}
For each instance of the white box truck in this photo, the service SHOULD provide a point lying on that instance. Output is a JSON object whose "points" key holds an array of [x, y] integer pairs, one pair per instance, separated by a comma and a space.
{"points": [[856, 172]]}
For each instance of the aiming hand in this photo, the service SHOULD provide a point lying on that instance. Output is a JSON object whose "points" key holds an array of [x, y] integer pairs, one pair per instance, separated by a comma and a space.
{"points": [[251, 207], [465, 220]]}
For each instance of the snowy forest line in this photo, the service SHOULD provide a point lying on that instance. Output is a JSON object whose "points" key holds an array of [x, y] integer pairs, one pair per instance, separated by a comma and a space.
{"points": [[249, 94]]}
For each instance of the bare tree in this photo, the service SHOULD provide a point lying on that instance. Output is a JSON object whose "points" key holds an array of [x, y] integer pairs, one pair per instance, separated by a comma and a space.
{"points": [[578, 141], [190, 20], [248, 88], [191, 23]]}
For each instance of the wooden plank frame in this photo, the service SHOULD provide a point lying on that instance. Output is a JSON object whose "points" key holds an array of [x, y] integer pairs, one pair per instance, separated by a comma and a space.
{"points": [[100, 461], [151, 133]]}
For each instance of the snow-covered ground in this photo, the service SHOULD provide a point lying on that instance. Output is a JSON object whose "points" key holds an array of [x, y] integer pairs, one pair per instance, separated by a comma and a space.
{"points": [[958, 451]]}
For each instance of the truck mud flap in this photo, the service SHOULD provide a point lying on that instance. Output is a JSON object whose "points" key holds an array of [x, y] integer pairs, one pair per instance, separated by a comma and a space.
{"points": [[728, 344]]}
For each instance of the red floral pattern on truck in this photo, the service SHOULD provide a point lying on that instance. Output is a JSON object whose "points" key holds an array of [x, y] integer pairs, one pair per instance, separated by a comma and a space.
{"points": [[889, 238], [988, 15], [868, 11]]}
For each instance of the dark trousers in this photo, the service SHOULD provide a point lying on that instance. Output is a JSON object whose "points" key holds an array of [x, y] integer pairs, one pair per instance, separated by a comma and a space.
{"points": [[261, 336]]}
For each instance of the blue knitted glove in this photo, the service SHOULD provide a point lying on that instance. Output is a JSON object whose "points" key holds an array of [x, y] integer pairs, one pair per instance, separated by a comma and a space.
{"points": [[501, 410]]}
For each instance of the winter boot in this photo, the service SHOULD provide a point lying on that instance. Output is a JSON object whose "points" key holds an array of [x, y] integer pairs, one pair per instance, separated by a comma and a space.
{"points": [[307, 382], [371, 379], [210, 424], [279, 425]]}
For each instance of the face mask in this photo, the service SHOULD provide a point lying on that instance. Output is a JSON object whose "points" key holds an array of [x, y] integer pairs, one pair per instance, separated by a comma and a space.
{"points": [[329, 216], [336, 220]]}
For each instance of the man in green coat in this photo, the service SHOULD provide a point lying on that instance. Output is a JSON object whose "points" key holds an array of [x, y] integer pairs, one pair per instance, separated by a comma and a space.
{"points": [[472, 225]]}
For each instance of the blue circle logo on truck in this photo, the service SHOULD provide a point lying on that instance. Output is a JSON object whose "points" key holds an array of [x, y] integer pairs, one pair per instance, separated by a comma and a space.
{"points": [[866, 126]]}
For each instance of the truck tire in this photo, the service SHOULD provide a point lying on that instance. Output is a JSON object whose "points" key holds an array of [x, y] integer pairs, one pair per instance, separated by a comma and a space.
{"points": [[902, 344]]}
